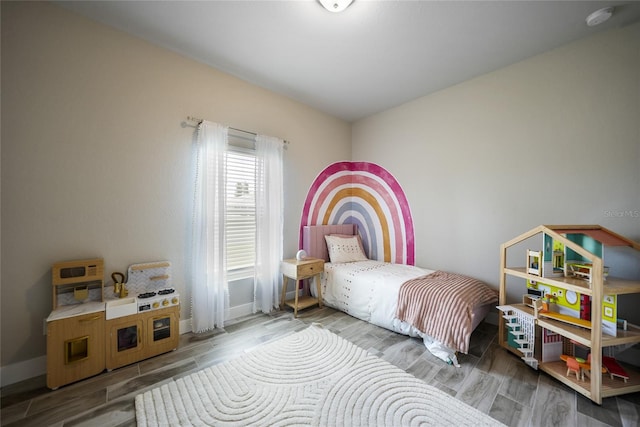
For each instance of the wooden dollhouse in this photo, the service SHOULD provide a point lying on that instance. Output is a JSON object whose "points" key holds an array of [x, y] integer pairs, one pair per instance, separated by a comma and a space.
{"points": [[572, 303]]}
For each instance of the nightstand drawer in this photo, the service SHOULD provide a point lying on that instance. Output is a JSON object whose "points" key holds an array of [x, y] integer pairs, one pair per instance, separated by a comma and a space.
{"points": [[302, 269], [305, 270]]}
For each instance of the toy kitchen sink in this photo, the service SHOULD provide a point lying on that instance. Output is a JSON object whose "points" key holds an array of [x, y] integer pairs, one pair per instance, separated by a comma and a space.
{"points": [[121, 307]]}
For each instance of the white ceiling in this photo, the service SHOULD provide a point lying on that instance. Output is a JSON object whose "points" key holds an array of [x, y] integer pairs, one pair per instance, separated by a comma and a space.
{"points": [[369, 58]]}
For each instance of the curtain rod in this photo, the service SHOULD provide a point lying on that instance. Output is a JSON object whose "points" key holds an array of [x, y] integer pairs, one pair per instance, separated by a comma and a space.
{"points": [[184, 124]]}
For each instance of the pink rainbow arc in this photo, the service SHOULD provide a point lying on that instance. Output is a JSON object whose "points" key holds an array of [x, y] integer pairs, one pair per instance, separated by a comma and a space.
{"points": [[367, 181]]}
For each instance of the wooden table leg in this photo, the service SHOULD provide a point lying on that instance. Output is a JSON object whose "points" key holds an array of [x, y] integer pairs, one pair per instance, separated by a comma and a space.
{"points": [[319, 289], [284, 291], [295, 304]]}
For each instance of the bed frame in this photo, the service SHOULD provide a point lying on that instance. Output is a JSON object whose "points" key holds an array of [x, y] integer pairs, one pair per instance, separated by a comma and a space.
{"points": [[315, 246], [313, 241]]}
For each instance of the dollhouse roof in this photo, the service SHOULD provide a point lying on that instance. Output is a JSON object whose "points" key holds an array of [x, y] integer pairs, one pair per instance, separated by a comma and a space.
{"points": [[596, 232]]}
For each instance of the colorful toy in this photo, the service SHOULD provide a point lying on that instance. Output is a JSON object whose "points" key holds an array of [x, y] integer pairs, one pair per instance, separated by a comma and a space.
{"points": [[583, 365], [534, 262], [583, 306], [614, 369], [570, 305], [573, 366], [539, 311], [521, 327]]}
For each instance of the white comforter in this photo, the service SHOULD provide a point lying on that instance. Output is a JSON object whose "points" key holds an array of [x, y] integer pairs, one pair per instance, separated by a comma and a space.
{"points": [[369, 290]]}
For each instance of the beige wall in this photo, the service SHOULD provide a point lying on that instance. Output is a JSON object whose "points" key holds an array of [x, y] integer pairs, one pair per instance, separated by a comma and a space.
{"points": [[554, 139], [95, 162]]}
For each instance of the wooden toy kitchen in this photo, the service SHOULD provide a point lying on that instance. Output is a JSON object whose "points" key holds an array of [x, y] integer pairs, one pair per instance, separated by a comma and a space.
{"points": [[566, 323], [93, 328]]}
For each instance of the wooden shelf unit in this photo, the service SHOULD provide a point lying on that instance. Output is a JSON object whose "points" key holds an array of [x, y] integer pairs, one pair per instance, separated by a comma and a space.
{"points": [[598, 386]]}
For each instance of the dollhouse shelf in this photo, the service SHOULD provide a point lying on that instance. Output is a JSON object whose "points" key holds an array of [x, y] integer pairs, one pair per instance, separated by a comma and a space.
{"points": [[589, 334], [612, 285], [609, 387], [565, 319], [583, 335]]}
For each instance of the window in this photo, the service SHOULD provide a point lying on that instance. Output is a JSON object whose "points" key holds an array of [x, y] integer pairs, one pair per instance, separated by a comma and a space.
{"points": [[237, 186], [240, 209]]}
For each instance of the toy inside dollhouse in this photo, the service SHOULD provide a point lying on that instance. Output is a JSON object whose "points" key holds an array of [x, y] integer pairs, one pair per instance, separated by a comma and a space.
{"points": [[569, 313], [568, 305]]}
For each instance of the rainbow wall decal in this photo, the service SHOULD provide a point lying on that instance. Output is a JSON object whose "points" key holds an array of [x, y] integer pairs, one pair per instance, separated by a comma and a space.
{"points": [[367, 195]]}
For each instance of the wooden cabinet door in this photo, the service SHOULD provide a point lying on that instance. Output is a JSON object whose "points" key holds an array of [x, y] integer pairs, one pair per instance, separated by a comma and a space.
{"points": [[75, 348], [125, 341], [161, 334]]}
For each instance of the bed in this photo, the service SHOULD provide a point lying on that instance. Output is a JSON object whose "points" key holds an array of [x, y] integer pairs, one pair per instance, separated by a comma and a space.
{"points": [[440, 307]]}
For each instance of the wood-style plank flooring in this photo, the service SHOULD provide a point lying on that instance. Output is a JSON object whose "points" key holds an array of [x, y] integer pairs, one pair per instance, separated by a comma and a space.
{"points": [[490, 379]]}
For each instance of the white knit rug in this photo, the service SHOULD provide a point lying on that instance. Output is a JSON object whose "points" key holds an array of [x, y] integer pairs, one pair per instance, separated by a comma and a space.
{"points": [[312, 377]]}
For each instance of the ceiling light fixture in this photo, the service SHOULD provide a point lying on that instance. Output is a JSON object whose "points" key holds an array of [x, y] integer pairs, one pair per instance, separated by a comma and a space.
{"points": [[335, 5], [599, 16]]}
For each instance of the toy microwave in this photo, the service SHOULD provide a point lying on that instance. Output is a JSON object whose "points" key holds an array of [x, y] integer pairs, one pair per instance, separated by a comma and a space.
{"points": [[69, 272]]}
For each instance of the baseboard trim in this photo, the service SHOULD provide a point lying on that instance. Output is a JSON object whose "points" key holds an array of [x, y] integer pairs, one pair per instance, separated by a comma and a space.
{"points": [[186, 325], [21, 371], [16, 372]]}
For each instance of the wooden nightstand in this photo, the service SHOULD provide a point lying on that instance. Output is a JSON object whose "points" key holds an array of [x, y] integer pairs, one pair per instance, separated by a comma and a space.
{"points": [[297, 270]]}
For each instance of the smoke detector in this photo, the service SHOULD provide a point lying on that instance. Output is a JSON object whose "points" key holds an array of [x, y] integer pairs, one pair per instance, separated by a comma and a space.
{"points": [[599, 16]]}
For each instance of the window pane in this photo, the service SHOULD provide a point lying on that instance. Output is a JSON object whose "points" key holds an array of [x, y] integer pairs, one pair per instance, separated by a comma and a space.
{"points": [[240, 213]]}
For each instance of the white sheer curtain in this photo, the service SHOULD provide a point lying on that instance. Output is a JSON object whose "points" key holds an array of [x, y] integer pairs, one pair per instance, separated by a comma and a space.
{"points": [[210, 292], [269, 222]]}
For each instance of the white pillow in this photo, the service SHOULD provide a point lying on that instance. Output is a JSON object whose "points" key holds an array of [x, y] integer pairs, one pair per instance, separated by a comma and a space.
{"points": [[344, 249]]}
